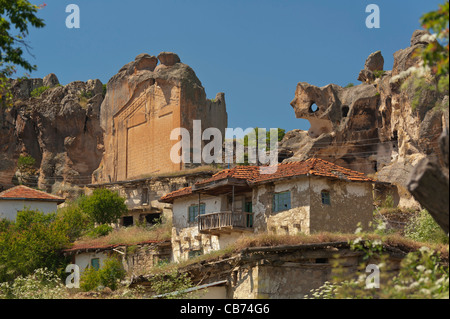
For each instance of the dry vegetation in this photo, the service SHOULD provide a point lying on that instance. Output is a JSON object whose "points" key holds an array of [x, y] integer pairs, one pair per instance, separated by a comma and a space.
{"points": [[130, 235]]}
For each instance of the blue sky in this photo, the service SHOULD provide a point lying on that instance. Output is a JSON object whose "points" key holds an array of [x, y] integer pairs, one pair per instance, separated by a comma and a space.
{"points": [[256, 51]]}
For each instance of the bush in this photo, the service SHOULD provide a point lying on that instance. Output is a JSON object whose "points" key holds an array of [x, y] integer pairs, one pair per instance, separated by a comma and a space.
{"points": [[89, 279], [424, 228], [38, 91], [26, 163], [33, 241], [109, 275], [101, 230], [103, 206], [76, 221], [420, 277]]}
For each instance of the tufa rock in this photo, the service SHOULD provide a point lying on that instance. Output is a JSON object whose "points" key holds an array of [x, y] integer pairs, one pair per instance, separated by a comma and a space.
{"points": [[50, 80], [418, 37], [371, 127], [168, 58], [374, 62]]}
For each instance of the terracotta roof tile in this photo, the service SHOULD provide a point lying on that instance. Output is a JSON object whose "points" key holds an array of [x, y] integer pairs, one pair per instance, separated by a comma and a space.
{"points": [[168, 198], [252, 175], [26, 193]]}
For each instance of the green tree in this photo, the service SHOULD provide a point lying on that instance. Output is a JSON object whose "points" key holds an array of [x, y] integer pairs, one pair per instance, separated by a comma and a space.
{"points": [[33, 241], [103, 206], [16, 16]]}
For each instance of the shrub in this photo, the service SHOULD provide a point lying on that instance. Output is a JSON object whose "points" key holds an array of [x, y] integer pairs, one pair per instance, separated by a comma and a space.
{"points": [[349, 85], [33, 241], [172, 282], [424, 228], [38, 91], [89, 279], [76, 221], [103, 206], [109, 275], [26, 163], [101, 230], [420, 277]]}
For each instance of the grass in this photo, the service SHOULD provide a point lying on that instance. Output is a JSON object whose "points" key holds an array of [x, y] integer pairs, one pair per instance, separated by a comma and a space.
{"points": [[130, 235], [199, 169], [271, 240]]}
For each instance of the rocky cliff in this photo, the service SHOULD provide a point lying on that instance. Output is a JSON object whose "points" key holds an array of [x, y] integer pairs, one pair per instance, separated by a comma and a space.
{"points": [[383, 126], [145, 101], [59, 138], [55, 126]]}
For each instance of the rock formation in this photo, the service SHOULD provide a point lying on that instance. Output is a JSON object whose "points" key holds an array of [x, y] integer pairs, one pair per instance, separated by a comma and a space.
{"points": [[378, 127], [59, 129], [143, 104]]}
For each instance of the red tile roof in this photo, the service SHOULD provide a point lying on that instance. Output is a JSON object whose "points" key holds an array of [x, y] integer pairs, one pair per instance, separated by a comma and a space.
{"points": [[252, 175], [26, 193]]}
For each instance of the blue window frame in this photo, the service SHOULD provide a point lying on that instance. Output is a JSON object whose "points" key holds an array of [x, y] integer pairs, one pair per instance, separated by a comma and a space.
{"points": [[281, 201], [95, 263], [193, 212], [326, 198]]}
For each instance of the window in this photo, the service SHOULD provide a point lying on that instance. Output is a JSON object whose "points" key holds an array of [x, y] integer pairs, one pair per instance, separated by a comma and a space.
{"points": [[95, 263], [127, 221], [326, 198], [281, 201], [193, 212], [144, 196]]}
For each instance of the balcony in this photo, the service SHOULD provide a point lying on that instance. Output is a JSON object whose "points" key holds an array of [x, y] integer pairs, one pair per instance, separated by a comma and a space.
{"points": [[225, 222]]}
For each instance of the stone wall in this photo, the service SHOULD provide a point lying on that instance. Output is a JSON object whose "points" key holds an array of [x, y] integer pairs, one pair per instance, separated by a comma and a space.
{"points": [[350, 204]]}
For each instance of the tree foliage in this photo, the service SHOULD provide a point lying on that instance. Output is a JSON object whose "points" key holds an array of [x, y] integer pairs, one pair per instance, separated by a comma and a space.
{"points": [[33, 241], [103, 206], [17, 16]]}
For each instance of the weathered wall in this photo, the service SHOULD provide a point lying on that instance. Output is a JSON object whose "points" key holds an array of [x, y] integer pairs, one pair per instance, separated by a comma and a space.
{"points": [[351, 203], [141, 196], [9, 208], [185, 234], [289, 221]]}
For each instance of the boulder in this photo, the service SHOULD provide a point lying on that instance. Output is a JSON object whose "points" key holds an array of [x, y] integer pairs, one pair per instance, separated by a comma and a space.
{"points": [[374, 62]]}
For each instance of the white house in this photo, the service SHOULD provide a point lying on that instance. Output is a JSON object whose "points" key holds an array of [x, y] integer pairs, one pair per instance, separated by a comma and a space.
{"points": [[17, 198], [307, 197]]}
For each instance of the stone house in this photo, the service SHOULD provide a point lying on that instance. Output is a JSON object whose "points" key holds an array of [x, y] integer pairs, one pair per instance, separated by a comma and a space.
{"points": [[142, 195], [308, 196], [135, 257], [20, 197]]}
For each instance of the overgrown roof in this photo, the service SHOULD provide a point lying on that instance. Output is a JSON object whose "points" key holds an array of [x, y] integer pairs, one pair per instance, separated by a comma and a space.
{"points": [[253, 175]]}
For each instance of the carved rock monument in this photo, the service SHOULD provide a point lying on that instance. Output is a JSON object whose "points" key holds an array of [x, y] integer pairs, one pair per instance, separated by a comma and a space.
{"points": [[143, 104]]}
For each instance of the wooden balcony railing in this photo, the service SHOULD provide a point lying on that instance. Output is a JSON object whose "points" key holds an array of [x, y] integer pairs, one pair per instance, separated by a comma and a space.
{"points": [[223, 222]]}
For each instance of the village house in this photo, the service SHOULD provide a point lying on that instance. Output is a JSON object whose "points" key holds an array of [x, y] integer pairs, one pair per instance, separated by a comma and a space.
{"points": [[142, 195], [135, 257], [307, 197], [22, 197]]}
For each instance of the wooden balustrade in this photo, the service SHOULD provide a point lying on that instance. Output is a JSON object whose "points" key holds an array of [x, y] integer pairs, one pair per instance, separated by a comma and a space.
{"points": [[225, 221]]}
